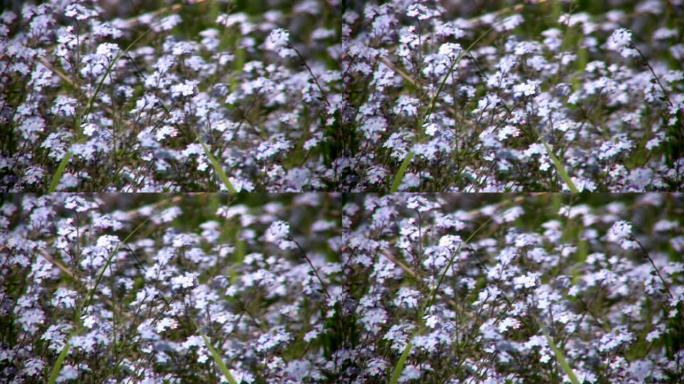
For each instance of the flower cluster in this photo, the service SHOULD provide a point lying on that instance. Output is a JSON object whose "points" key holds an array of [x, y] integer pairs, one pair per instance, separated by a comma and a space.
{"points": [[230, 106], [134, 284], [304, 289], [485, 289], [143, 101], [330, 95], [511, 97]]}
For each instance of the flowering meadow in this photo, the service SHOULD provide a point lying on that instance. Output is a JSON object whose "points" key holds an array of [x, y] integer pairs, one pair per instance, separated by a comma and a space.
{"points": [[329, 95], [355, 288], [514, 96], [512, 288], [153, 96], [300, 191], [139, 287]]}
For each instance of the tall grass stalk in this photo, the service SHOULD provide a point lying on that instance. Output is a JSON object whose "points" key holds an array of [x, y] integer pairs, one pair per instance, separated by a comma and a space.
{"points": [[57, 366]]}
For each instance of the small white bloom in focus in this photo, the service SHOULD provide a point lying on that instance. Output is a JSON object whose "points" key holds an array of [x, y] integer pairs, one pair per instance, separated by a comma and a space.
{"points": [[621, 233], [621, 41], [528, 88], [508, 323], [528, 280], [165, 132], [187, 88], [186, 280], [166, 323], [279, 41], [279, 233], [109, 50], [279, 230], [451, 50], [451, 242], [421, 12]]}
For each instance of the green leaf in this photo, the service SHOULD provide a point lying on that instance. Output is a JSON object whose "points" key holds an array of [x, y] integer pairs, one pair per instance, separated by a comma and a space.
{"points": [[219, 361], [57, 366], [239, 257], [401, 172], [560, 168], [219, 170], [57, 176], [561, 360], [399, 368]]}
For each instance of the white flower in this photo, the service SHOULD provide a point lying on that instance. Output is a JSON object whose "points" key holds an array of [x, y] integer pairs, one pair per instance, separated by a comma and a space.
{"points": [[510, 23], [621, 233], [165, 131], [64, 106], [508, 323], [108, 50], [431, 128], [108, 242], [279, 233], [451, 242], [168, 23], [529, 280], [528, 88], [186, 280], [451, 50], [165, 324], [279, 230], [186, 88], [407, 298], [279, 41], [421, 12], [406, 105], [276, 337], [507, 131], [621, 41], [79, 12]]}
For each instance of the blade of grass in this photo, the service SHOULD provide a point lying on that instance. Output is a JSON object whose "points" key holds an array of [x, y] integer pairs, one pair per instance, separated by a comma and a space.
{"points": [[57, 176], [399, 367], [219, 170], [57, 366], [561, 359], [401, 172], [396, 373], [219, 361], [239, 257], [560, 168]]}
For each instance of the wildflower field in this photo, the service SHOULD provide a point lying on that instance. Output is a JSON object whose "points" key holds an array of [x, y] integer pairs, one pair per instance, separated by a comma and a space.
{"points": [[354, 288], [154, 96], [514, 96], [342, 191]]}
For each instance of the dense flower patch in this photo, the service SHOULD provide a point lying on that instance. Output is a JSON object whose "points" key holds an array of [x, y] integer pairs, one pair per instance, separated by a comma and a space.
{"points": [[135, 284], [275, 95], [142, 102], [316, 288], [483, 288], [341, 101], [471, 97]]}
